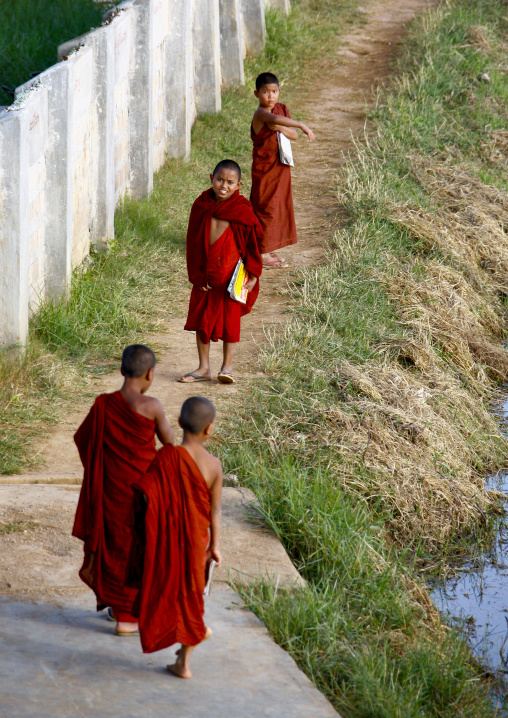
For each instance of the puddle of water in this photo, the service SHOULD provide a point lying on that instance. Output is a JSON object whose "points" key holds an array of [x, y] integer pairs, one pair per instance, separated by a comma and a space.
{"points": [[476, 598]]}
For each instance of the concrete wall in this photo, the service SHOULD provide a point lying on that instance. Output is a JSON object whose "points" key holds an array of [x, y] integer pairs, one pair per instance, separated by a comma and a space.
{"points": [[98, 124]]}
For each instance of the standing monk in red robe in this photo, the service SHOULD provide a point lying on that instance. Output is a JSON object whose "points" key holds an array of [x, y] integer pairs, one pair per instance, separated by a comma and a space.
{"points": [[181, 527], [222, 229], [116, 444], [271, 179]]}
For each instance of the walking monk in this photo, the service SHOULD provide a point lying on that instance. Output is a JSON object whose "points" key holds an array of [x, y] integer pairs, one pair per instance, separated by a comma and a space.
{"points": [[222, 229], [182, 490], [271, 180], [116, 444]]}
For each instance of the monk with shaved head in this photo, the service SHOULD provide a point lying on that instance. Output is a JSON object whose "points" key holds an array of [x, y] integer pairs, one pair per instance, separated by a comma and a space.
{"points": [[222, 230], [116, 444], [180, 531]]}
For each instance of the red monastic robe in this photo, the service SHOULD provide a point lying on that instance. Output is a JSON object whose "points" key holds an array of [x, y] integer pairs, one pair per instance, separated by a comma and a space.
{"points": [[176, 538], [116, 446], [271, 189], [213, 313]]}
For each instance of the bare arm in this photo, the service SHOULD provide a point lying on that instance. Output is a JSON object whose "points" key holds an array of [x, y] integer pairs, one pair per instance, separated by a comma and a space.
{"points": [[163, 429], [289, 132], [262, 116], [215, 518]]}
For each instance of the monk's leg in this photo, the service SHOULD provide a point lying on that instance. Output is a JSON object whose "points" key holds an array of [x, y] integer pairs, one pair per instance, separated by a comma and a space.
{"points": [[181, 667], [228, 349], [202, 373]]}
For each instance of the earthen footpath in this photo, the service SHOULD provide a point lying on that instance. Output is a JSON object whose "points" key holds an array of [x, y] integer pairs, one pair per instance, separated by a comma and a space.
{"points": [[58, 657]]}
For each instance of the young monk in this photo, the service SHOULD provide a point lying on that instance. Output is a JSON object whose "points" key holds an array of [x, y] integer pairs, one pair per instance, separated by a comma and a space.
{"points": [[222, 228], [271, 180], [116, 444], [182, 490]]}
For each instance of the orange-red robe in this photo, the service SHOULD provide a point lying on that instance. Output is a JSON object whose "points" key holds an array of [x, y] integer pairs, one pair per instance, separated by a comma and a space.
{"points": [[116, 446], [271, 188], [213, 313], [176, 537]]}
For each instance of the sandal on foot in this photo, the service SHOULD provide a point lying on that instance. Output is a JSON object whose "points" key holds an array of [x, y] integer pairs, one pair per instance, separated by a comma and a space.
{"points": [[197, 377], [110, 616], [275, 264], [124, 634], [225, 378]]}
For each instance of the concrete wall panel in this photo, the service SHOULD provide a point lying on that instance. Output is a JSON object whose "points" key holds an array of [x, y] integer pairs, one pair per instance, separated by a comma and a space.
{"points": [[14, 258], [206, 49], [36, 105], [254, 28], [231, 43], [141, 100], [122, 34], [178, 79], [160, 28], [82, 144]]}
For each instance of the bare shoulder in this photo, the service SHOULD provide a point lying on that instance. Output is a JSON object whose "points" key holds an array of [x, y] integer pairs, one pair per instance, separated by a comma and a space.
{"points": [[149, 406]]}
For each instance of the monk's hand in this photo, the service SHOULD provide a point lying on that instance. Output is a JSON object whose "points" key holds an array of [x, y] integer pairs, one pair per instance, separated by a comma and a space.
{"points": [[215, 554], [204, 289], [308, 132], [251, 283]]}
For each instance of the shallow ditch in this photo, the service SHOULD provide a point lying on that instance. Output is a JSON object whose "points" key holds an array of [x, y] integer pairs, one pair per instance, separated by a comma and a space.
{"points": [[475, 598]]}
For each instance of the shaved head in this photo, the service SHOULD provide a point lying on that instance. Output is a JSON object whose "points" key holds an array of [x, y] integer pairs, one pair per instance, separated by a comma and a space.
{"points": [[137, 360], [266, 78], [197, 412], [228, 165]]}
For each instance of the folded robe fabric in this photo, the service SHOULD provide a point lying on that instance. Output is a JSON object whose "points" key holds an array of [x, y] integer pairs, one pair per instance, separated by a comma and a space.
{"points": [[176, 537], [271, 189], [116, 446], [213, 313], [236, 210]]}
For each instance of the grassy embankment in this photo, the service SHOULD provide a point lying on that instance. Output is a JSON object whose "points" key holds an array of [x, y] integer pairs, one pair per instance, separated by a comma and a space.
{"points": [[142, 282], [369, 443], [372, 433], [30, 32]]}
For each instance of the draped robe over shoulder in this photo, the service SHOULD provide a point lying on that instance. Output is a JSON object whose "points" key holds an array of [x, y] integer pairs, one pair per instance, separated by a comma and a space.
{"points": [[271, 189], [175, 538], [213, 313], [116, 446]]}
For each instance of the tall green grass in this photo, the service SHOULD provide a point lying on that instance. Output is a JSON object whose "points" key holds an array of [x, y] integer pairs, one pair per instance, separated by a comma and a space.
{"points": [[30, 32], [364, 629]]}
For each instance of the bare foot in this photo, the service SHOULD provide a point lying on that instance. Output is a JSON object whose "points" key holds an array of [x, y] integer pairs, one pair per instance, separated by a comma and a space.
{"points": [[179, 669], [194, 376]]}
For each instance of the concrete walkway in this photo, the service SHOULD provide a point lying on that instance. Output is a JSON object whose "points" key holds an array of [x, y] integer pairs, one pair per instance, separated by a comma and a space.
{"points": [[66, 661]]}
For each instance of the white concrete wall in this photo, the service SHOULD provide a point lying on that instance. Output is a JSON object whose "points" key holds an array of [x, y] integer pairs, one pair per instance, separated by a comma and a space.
{"points": [[97, 125]]}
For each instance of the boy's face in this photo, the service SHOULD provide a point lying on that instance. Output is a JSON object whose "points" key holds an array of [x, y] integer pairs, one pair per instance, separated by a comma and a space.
{"points": [[225, 183], [268, 95]]}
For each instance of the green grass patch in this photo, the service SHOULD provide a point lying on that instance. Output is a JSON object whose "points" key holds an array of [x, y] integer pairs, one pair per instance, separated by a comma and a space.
{"points": [[31, 31], [16, 527], [362, 629]]}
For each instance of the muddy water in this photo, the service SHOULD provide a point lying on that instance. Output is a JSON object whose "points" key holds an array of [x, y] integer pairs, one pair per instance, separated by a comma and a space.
{"points": [[476, 598]]}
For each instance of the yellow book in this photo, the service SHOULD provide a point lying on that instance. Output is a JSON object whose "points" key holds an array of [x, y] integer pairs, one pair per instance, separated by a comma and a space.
{"points": [[236, 288]]}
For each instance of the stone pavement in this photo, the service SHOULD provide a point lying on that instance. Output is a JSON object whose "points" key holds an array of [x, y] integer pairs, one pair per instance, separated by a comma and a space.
{"points": [[66, 661]]}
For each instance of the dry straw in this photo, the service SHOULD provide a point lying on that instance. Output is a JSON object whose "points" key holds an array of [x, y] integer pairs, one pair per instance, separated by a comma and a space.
{"points": [[413, 430]]}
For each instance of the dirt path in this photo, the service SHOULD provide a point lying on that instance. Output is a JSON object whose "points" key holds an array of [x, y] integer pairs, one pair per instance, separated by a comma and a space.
{"points": [[362, 61]]}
